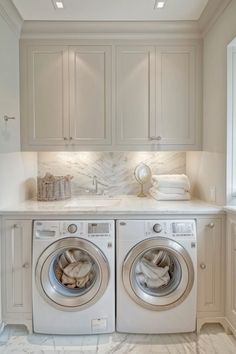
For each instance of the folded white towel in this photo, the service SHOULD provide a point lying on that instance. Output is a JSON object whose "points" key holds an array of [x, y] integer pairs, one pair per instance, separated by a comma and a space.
{"points": [[163, 196], [170, 190], [171, 181]]}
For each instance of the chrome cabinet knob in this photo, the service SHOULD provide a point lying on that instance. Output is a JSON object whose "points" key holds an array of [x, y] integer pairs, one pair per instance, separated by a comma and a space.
{"points": [[211, 225], [26, 265], [203, 266], [157, 228]]}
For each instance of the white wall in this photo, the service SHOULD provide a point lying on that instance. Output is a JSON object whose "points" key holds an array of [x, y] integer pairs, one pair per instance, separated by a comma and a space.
{"points": [[210, 165], [16, 168]]}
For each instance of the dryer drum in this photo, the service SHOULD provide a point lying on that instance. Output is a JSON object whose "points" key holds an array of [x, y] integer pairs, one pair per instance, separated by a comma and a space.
{"points": [[72, 274], [158, 273]]}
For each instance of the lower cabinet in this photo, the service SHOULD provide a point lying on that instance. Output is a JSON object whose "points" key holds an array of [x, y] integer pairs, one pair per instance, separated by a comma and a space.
{"points": [[211, 268], [16, 270], [231, 271]]}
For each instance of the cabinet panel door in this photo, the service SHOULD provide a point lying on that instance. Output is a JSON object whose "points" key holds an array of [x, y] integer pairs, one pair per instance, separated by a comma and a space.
{"points": [[48, 95], [175, 95], [17, 266], [90, 94], [135, 94], [231, 270], [210, 265]]}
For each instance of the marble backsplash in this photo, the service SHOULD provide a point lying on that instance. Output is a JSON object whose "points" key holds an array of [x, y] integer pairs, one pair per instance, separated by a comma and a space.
{"points": [[114, 170]]}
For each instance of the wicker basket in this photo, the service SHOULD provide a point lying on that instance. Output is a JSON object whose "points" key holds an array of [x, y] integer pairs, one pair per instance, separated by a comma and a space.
{"points": [[54, 187]]}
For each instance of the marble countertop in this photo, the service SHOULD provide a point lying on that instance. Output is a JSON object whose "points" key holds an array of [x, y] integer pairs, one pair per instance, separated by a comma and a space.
{"points": [[118, 205]]}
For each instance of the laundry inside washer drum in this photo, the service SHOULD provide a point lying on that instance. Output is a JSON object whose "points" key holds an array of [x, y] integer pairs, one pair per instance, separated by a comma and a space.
{"points": [[158, 272], [73, 272]]}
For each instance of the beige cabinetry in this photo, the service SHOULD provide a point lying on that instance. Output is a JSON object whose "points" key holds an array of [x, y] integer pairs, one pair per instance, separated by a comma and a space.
{"points": [[45, 96], [110, 96], [176, 96], [211, 269], [231, 271], [90, 95], [16, 267], [65, 96], [135, 94]]}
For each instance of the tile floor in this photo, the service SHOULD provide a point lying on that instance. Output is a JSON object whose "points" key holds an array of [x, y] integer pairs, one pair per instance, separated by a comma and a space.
{"points": [[212, 340]]}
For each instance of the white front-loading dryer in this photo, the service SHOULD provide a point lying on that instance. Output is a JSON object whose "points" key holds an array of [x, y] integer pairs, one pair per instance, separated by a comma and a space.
{"points": [[156, 276], [73, 277]]}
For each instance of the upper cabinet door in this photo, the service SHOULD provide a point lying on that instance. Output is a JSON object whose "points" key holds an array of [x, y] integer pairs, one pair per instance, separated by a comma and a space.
{"points": [[176, 95], [135, 94], [90, 95], [47, 93]]}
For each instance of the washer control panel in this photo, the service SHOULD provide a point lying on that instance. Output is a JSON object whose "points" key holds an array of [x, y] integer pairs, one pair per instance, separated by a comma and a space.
{"points": [[45, 229]]}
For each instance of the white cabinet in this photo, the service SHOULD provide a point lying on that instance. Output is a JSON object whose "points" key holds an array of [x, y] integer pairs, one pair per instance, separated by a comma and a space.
{"points": [[211, 267], [65, 96], [16, 268], [157, 96], [45, 113], [90, 95], [175, 95], [112, 95], [231, 270], [135, 94]]}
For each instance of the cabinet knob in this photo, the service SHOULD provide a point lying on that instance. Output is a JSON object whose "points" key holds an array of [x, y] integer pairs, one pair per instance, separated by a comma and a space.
{"points": [[16, 226], [26, 265], [202, 266], [159, 137], [71, 138], [65, 138], [211, 225]]}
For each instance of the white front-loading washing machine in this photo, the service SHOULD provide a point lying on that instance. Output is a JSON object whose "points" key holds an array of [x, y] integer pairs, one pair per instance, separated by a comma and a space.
{"points": [[156, 276], [73, 277]]}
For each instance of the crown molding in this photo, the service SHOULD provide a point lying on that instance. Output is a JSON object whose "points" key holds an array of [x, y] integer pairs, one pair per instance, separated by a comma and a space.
{"points": [[211, 13], [11, 16], [109, 29]]}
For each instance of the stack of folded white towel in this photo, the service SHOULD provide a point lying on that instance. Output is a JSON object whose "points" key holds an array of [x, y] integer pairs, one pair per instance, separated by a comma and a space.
{"points": [[170, 187]]}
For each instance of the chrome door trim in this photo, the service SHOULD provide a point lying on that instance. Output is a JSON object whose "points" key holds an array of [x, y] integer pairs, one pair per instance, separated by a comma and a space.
{"points": [[148, 301], [71, 303]]}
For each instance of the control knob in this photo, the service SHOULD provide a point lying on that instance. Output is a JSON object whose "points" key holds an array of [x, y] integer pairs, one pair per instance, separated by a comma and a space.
{"points": [[72, 228], [157, 228]]}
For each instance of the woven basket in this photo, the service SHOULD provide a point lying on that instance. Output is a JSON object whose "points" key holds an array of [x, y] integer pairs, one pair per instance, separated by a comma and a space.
{"points": [[54, 187]]}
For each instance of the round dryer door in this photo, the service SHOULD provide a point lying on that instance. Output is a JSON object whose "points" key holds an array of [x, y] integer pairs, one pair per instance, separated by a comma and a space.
{"points": [[158, 273], [72, 274]]}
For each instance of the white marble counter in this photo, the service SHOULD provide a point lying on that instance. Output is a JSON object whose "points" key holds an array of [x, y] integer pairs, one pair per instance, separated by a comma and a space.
{"points": [[123, 205], [230, 209]]}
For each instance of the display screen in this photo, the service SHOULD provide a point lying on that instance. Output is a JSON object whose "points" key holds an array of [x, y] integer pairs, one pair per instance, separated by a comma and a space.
{"points": [[182, 228], [100, 228]]}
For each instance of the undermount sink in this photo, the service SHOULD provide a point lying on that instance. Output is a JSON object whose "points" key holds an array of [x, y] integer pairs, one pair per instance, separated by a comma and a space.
{"points": [[92, 202]]}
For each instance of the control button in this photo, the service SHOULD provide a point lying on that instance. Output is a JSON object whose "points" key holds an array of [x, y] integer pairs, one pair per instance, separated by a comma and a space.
{"points": [[157, 228], [72, 228]]}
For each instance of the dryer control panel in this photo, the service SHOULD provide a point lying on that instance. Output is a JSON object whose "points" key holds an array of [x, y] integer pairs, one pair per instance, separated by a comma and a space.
{"points": [[175, 228]]}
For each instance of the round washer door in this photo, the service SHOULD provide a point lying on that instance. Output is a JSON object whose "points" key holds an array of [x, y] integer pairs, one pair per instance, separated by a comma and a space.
{"points": [[72, 274], [158, 273]]}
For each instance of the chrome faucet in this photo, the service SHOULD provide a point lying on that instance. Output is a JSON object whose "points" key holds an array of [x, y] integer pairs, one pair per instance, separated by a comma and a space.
{"points": [[95, 184]]}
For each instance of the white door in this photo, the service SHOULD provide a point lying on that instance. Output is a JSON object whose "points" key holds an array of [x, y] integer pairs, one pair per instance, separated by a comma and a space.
{"points": [[17, 267], [90, 95], [47, 95], [210, 266], [175, 95], [135, 94]]}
